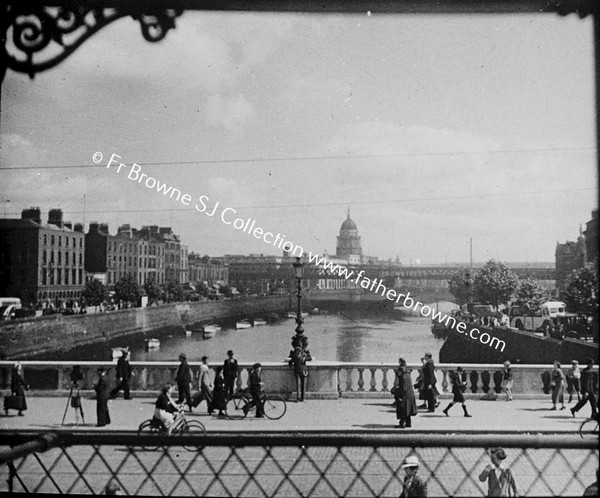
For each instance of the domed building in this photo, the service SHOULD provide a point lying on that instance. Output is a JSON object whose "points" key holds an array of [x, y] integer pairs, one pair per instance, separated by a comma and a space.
{"points": [[348, 242]]}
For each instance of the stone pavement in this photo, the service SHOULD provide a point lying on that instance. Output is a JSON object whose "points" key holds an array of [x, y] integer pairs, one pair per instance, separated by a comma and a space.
{"points": [[342, 415]]}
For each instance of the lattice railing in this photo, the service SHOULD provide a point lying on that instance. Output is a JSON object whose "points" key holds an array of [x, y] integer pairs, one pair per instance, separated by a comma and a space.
{"points": [[303, 464]]}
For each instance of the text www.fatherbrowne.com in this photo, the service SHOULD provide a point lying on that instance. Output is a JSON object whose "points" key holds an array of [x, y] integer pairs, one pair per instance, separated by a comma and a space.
{"points": [[377, 286], [250, 227]]}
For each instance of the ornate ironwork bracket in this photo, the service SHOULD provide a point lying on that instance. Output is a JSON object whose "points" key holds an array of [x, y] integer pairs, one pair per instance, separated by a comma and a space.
{"points": [[37, 37]]}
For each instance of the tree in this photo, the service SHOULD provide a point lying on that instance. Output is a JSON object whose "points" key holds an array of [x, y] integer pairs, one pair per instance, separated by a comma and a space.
{"points": [[581, 291], [494, 284], [226, 290], [461, 286], [529, 297], [94, 293], [174, 291], [153, 290], [127, 289]]}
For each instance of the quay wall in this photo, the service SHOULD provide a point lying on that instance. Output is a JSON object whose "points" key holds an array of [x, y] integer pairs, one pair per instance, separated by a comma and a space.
{"points": [[37, 336], [520, 347], [326, 380]]}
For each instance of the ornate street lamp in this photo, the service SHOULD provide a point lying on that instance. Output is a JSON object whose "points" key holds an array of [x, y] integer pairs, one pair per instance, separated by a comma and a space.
{"points": [[299, 340]]}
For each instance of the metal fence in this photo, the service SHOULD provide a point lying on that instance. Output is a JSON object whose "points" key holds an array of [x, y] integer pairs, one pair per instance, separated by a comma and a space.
{"points": [[285, 464]]}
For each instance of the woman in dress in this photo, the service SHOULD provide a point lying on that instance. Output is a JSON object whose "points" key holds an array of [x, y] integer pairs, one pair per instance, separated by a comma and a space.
{"points": [[507, 380], [102, 393], [17, 385], [406, 407], [219, 400]]}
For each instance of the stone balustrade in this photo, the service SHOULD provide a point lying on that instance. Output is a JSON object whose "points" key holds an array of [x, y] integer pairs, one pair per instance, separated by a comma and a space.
{"points": [[326, 380]]}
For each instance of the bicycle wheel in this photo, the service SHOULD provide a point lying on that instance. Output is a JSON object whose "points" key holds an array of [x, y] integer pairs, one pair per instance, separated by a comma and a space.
{"points": [[236, 408], [147, 427], [192, 428], [274, 407], [589, 428]]}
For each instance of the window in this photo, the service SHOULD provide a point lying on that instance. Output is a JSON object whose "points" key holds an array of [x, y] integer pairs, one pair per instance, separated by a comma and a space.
{"points": [[52, 240], [59, 241], [73, 275], [59, 258]]}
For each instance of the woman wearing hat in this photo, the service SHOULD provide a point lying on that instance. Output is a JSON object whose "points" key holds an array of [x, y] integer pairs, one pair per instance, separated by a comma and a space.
{"points": [[413, 485], [507, 380], [500, 480], [102, 394], [183, 378]]}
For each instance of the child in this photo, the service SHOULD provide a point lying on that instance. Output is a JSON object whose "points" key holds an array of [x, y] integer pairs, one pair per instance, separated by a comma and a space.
{"points": [[459, 386]]}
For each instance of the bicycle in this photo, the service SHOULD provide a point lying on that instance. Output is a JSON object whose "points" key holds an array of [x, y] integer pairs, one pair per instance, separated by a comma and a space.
{"points": [[239, 405], [589, 428], [181, 428]]}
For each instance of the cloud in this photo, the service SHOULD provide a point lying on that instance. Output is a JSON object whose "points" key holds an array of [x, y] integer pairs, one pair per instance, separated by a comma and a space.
{"points": [[230, 113]]}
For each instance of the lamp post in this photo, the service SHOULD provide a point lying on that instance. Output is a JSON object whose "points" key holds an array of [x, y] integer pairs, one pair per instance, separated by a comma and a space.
{"points": [[299, 340]]}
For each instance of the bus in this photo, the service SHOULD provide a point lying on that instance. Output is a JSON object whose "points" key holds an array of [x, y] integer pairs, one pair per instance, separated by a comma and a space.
{"points": [[10, 301], [541, 321]]}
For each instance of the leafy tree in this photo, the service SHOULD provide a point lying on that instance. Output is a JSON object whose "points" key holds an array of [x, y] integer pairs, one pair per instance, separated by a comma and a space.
{"points": [[94, 293], [226, 290], [494, 284], [174, 291], [153, 290], [127, 289], [201, 288], [461, 287], [581, 291], [529, 297]]}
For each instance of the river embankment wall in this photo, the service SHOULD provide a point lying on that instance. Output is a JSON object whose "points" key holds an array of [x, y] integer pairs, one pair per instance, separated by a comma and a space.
{"points": [[520, 347], [34, 337]]}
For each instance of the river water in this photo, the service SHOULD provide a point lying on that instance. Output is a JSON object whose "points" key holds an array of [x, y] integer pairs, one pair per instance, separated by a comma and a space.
{"points": [[343, 336]]}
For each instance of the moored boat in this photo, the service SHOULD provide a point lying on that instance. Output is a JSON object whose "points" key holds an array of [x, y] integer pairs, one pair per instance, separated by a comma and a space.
{"points": [[243, 324], [211, 328], [152, 343], [259, 321]]}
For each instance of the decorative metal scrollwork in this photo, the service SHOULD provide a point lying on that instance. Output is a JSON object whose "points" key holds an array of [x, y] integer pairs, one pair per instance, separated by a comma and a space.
{"points": [[38, 37]]}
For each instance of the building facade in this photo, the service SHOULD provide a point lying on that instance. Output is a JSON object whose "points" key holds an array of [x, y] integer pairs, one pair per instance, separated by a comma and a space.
{"points": [[348, 242]]}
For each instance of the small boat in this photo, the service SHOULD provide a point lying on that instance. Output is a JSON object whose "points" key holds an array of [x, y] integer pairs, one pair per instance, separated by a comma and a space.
{"points": [[304, 314], [259, 321], [243, 324], [152, 343], [211, 328], [291, 314], [188, 333]]}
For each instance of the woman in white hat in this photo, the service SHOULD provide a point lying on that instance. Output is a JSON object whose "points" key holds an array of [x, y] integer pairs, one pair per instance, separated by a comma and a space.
{"points": [[413, 484]]}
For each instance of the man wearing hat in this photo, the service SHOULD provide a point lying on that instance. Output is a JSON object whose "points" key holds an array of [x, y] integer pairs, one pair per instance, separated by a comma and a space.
{"points": [[230, 373], [500, 480], [256, 387], [183, 378], [413, 485], [587, 390], [123, 375]]}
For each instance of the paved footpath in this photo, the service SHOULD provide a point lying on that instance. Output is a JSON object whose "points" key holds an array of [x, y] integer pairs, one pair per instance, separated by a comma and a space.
{"points": [[46, 413]]}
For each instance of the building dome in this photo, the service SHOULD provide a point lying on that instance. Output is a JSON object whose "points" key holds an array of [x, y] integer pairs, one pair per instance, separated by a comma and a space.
{"points": [[348, 224]]}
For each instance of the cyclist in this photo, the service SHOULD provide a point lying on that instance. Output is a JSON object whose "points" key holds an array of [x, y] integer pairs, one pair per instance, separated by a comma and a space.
{"points": [[256, 387], [165, 409]]}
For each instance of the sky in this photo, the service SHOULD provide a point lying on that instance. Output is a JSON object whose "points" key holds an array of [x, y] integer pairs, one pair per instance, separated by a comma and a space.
{"points": [[432, 129]]}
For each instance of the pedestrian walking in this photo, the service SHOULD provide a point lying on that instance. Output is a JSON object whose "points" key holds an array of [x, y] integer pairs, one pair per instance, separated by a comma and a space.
{"points": [[17, 400], [102, 394], [558, 386], [406, 406], [507, 380], [230, 373], [459, 386], [297, 360], [219, 396], [429, 382], [573, 378], [587, 390], [183, 378], [501, 481], [204, 386], [420, 385], [123, 375], [256, 387], [413, 485]]}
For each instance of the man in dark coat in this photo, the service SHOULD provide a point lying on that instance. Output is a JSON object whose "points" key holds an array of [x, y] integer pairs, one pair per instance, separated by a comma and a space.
{"points": [[297, 361], [406, 406], [17, 386], [230, 373], [587, 390], [429, 382], [123, 376], [183, 378], [101, 389], [256, 387]]}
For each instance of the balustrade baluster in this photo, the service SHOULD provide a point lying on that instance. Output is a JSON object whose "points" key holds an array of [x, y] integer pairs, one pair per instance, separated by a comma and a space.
{"points": [[474, 377], [373, 382], [384, 380], [445, 382], [361, 380], [349, 379], [485, 379]]}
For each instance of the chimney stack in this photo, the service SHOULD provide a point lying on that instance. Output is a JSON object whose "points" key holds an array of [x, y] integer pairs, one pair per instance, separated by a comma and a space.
{"points": [[33, 214], [55, 217]]}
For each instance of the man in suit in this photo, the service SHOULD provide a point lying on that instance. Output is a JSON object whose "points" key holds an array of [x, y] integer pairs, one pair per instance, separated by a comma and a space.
{"points": [[429, 382], [230, 373], [101, 389], [587, 390], [123, 376], [297, 361], [183, 378]]}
